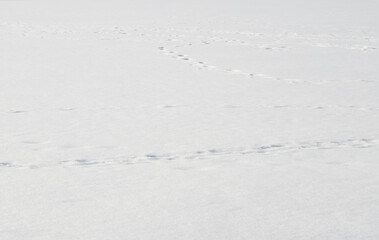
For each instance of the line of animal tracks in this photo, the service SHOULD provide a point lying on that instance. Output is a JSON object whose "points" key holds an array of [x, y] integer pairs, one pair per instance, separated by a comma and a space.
{"points": [[209, 154]]}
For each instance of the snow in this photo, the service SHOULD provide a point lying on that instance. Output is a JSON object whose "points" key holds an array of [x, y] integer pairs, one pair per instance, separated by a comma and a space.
{"points": [[189, 120]]}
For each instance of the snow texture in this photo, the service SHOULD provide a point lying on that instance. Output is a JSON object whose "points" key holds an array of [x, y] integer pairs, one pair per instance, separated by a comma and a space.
{"points": [[243, 119]]}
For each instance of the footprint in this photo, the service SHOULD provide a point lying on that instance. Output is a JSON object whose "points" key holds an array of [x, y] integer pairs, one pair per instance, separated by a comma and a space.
{"points": [[6, 164], [85, 162], [16, 111], [167, 106]]}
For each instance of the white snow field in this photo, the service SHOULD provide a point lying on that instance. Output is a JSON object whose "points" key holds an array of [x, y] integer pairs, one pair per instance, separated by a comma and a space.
{"points": [[189, 120]]}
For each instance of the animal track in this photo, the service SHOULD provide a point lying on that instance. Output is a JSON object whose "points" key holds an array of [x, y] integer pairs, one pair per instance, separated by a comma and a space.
{"points": [[6, 164], [276, 148], [205, 66], [275, 41], [169, 106], [16, 111]]}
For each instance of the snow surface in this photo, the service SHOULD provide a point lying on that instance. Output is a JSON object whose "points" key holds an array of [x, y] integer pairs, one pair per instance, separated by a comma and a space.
{"points": [[243, 119]]}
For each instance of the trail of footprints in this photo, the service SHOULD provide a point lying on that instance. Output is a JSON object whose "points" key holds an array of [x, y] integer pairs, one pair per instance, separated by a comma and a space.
{"points": [[202, 65], [214, 153], [272, 41], [206, 66], [210, 154], [221, 106], [129, 33]]}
